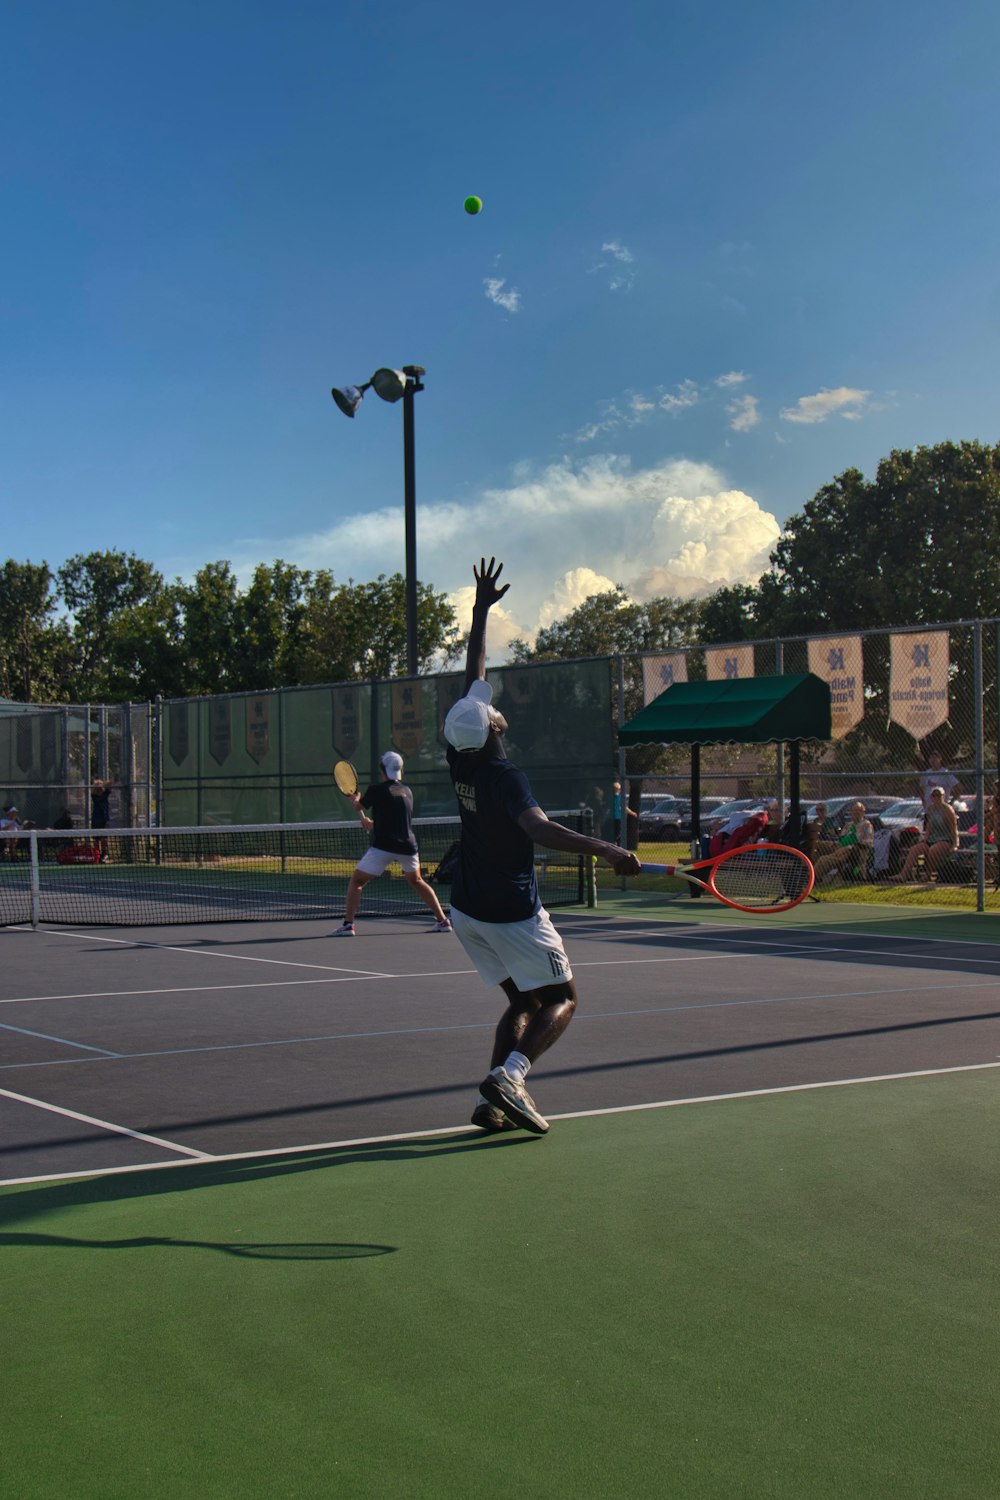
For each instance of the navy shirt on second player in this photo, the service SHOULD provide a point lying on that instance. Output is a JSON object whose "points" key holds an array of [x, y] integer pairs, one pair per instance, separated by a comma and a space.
{"points": [[495, 880], [391, 806]]}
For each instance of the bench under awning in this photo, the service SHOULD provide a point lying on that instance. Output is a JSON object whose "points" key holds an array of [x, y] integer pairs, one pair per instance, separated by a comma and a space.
{"points": [[735, 711]]}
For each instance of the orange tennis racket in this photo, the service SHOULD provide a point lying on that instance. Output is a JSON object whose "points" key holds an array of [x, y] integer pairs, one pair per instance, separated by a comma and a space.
{"points": [[754, 877]]}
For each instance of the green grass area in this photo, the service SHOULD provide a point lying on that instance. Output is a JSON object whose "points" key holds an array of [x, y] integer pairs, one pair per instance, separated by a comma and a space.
{"points": [[785, 1297]]}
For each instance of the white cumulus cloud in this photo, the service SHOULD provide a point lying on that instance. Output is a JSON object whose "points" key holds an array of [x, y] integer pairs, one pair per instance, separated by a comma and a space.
{"points": [[842, 402], [510, 300], [733, 377], [563, 532]]}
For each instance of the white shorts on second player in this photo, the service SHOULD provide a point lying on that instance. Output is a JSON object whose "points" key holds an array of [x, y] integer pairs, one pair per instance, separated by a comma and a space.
{"points": [[529, 952], [377, 861]]}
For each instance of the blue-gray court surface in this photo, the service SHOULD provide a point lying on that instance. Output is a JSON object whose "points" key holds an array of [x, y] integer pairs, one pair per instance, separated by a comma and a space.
{"points": [[123, 1049]]}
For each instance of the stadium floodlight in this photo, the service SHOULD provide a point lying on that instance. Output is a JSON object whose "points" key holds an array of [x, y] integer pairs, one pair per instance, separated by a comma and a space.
{"points": [[349, 397], [397, 385]]}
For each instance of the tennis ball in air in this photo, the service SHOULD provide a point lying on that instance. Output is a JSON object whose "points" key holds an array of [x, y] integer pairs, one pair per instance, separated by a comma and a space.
{"points": [[473, 205]]}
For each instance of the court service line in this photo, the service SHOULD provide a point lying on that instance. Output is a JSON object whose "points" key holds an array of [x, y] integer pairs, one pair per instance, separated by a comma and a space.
{"points": [[395, 1031], [72, 1114], [762, 949], [452, 1130], [361, 977], [63, 1041], [243, 958]]}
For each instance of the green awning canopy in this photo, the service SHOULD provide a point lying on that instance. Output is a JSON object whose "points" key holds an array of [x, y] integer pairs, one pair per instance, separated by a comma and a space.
{"points": [[737, 710]]}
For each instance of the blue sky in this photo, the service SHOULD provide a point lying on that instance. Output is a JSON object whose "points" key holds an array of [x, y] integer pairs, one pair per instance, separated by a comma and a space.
{"points": [[726, 252]]}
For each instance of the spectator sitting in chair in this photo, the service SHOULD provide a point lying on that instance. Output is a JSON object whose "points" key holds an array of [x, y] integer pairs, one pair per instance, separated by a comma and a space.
{"points": [[940, 837], [991, 826], [853, 849], [826, 831]]}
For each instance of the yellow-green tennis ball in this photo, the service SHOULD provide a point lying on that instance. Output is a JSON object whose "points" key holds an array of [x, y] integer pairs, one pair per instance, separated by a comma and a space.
{"points": [[473, 205]]}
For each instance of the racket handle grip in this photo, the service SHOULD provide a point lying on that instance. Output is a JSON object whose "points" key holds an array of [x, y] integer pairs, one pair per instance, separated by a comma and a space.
{"points": [[658, 869]]}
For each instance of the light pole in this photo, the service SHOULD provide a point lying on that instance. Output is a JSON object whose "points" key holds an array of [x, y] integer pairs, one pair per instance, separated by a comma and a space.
{"points": [[397, 385]]}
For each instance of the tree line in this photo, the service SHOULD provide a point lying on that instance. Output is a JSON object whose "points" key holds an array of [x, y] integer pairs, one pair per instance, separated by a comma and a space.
{"points": [[107, 627], [917, 544]]}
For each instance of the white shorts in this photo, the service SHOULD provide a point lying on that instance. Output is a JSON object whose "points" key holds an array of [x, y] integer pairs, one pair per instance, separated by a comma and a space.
{"points": [[377, 861], [529, 952]]}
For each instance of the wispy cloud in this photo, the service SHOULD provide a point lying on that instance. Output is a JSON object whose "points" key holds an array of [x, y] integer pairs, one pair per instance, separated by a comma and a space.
{"points": [[743, 413], [510, 300], [682, 396], [636, 407], [620, 266], [842, 402]]}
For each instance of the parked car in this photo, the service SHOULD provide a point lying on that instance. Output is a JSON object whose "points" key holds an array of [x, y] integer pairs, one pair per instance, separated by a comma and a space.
{"points": [[721, 813], [907, 813], [666, 819], [707, 808]]}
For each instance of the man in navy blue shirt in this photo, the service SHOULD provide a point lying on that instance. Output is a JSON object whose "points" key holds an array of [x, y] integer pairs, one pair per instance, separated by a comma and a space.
{"points": [[391, 806], [495, 907]]}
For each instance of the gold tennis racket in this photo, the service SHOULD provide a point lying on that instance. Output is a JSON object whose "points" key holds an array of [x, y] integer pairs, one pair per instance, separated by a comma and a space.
{"points": [[346, 778]]}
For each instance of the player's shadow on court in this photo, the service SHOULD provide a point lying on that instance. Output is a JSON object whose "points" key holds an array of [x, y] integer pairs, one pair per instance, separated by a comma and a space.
{"points": [[318, 1250]]}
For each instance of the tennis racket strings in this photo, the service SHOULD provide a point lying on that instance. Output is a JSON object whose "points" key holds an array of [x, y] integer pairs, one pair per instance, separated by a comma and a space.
{"points": [[762, 877]]}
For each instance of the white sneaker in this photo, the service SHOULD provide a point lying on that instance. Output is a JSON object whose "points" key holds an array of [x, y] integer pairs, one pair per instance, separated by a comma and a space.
{"points": [[347, 930]]}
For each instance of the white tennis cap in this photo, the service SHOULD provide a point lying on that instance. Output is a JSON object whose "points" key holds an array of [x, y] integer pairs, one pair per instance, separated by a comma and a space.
{"points": [[392, 765], [467, 726]]}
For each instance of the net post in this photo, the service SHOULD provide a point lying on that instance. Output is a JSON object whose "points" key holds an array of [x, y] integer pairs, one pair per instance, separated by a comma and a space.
{"points": [[980, 736], [35, 880]]}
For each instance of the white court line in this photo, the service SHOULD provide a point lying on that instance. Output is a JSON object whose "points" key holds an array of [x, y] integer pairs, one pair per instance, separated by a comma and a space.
{"points": [[266, 984], [243, 958], [72, 1114], [421, 1135], [761, 949], [63, 1041], [601, 1015]]}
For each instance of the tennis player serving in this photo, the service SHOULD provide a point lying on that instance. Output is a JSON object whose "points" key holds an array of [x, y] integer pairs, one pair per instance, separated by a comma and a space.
{"points": [[495, 909]]}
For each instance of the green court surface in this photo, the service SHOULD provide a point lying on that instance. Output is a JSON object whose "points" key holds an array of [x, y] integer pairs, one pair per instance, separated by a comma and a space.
{"points": [[789, 1295]]}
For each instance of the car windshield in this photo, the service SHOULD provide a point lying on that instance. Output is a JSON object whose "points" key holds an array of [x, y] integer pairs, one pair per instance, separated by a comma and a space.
{"points": [[906, 809], [724, 810]]}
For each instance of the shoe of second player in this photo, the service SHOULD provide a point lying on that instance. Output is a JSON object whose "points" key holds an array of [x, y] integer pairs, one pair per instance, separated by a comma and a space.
{"points": [[345, 930], [513, 1100]]}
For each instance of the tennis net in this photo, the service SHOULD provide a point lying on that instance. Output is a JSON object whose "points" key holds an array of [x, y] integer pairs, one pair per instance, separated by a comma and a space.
{"points": [[151, 877]]}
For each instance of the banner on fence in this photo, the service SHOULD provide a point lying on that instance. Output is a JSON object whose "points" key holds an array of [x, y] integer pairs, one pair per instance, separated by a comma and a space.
{"points": [[407, 717], [258, 728], [918, 681], [661, 672], [728, 661], [838, 660]]}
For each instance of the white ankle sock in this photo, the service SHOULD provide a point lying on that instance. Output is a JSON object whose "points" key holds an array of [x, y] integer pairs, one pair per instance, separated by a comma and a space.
{"points": [[517, 1066]]}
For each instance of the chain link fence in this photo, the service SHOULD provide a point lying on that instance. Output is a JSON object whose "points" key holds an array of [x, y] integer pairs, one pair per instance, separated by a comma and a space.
{"points": [[913, 708]]}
